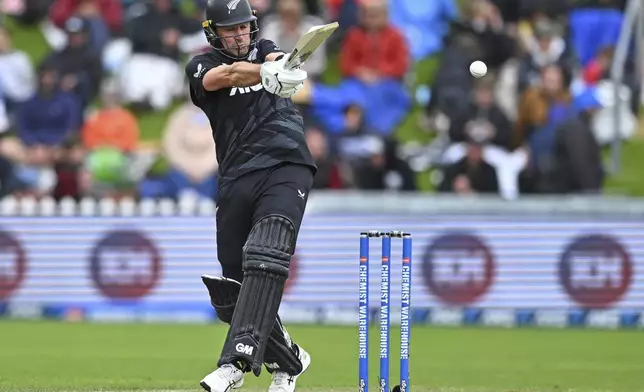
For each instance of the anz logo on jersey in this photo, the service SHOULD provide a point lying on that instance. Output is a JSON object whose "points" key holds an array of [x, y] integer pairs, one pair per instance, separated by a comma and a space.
{"points": [[245, 90]]}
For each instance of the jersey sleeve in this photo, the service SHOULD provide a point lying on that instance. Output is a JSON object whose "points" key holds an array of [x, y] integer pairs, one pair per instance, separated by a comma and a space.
{"points": [[196, 68], [266, 47]]}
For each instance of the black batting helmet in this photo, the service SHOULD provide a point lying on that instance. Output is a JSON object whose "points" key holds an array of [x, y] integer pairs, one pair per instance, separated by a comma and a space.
{"points": [[224, 13]]}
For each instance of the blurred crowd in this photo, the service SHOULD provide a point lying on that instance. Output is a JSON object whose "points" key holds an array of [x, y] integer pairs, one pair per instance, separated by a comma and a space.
{"points": [[72, 124]]}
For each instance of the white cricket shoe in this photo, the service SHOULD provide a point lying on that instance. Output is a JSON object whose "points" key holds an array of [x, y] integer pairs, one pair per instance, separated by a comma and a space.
{"points": [[284, 382], [224, 379]]}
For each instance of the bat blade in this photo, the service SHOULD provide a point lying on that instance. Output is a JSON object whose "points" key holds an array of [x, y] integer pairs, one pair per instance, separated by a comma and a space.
{"points": [[308, 43]]}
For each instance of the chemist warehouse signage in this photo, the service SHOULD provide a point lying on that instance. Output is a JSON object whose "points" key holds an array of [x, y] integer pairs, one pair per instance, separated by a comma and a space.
{"points": [[478, 263]]}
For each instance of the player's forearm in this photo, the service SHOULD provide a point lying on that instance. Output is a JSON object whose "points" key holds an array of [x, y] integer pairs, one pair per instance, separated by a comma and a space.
{"points": [[240, 74], [243, 74]]}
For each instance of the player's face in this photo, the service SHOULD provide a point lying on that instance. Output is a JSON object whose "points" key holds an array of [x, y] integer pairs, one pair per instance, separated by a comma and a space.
{"points": [[236, 39]]}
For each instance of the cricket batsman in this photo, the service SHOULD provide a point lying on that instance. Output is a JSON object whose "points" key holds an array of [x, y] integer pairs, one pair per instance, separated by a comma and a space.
{"points": [[266, 172]]}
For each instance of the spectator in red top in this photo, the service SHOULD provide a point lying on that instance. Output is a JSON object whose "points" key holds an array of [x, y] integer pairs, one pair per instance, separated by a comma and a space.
{"points": [[373, 60], [104, 19], [111, 11], [375, 49]]}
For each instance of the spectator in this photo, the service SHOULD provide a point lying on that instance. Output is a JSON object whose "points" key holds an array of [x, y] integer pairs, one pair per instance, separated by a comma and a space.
{"points": [[80, 69], [17, 75], [578, 163], [544, 105], [545, 47], [453, 83], [50, 117], [155, 56], [375, 50], [384, 170], [189, 149], [470, 174], [107, 13], [542, 109], [111, 125], [328, 175], [104, 18], [287, 26], [357, 144], [484, 116], [373, 60], [484, 21]]}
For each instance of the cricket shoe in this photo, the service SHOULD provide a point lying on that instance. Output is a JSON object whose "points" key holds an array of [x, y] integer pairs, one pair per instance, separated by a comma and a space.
{"points": [[284, 382], [224, 379]]}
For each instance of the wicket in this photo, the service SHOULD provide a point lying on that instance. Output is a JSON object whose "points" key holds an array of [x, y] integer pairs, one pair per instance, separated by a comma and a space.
{"points": [[385, 311]]}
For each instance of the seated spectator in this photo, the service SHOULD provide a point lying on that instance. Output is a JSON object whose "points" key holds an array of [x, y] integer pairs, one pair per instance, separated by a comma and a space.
{"points": [[484, 21], [452, 85], [50, 117], [287, 26], [542, 106], [546, 47], [482, 114], [17, 75], [383, 169], [373, 61], [470, 174], [370, 161], [155, 39], [79, 68], [111, 125], [375, 50], [104, 18], [357, 142], [578, 164], [190, 151], [44, 123], [328, 175], [541, 110]]}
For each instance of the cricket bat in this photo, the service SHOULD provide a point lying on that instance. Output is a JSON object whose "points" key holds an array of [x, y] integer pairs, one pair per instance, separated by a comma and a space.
{"points": [[308, 43]]}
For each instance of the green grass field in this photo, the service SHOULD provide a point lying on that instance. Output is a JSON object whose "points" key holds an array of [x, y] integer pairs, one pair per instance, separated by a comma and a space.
{"points": [[43, 356]]}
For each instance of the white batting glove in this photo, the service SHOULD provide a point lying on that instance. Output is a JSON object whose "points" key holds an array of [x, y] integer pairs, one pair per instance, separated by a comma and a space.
{"points": [[279, 81]]}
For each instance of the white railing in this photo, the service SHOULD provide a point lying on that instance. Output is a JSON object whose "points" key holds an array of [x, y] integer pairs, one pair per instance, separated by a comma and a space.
{"points": [[47, 206], [321, 202]]}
